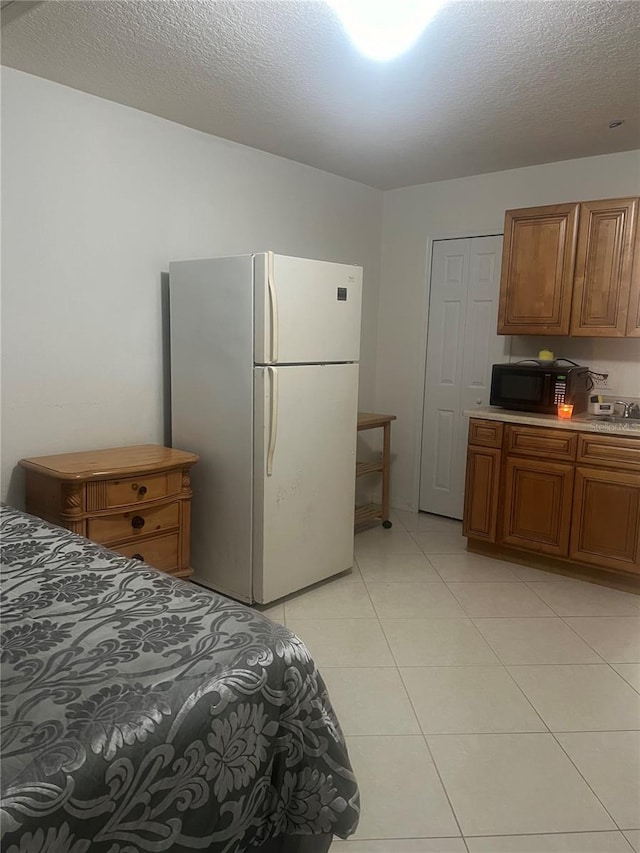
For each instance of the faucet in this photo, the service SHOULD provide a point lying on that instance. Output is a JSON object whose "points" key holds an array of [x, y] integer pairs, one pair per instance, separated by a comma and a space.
{"points": [[630, 410]]}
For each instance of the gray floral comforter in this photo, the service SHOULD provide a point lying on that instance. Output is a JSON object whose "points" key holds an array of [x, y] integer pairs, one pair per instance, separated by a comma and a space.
{"points": [[143, 713]]}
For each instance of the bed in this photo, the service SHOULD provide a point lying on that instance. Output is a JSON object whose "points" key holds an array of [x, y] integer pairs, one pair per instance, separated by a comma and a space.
{"points": [[144, 713]]}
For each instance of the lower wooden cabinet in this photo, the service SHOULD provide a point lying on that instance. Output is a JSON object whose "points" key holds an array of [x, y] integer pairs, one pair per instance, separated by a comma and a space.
{"points": [[481, 493], [606, 519], [571, 498], [537, 505]]}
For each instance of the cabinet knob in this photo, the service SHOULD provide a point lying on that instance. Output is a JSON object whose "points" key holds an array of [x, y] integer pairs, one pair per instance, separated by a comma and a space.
{"points": [[137, 522], [137, 557]]}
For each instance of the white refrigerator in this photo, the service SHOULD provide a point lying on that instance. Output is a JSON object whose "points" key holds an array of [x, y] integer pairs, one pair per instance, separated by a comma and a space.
{"points": [[264, 387]]}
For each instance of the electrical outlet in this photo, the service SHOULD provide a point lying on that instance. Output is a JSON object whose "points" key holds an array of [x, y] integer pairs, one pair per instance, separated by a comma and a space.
{"points": [[602, 379]]}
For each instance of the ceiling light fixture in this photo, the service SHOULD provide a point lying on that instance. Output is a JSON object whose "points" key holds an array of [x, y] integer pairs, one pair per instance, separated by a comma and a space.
{"points": [[384, 29]]}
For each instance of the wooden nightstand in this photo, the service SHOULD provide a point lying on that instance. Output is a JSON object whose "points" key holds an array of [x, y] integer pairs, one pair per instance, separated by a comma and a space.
{"points": [[134, 500]]}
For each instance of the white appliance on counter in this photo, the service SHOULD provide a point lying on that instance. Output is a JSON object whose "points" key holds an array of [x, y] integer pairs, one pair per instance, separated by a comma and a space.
{"points": [[264, 387]]}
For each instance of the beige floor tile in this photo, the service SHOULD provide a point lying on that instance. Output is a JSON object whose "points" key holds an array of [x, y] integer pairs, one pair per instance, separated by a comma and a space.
{"points": [[441, 542], [414, 601], [397, 568], [577, 598], [437, 642], [580, 697], [630, 672], [512, 784], [465, 699], [343, 642], [574, 842], [400, 791], [526, 573], [471, 568], [531, 640], [610, 762], [274, 611], [337, 599], [424, 522], [371, 701], [499, 599], [616, 638], [381, 541], [633, 837], [404, 845], [351, 574]]}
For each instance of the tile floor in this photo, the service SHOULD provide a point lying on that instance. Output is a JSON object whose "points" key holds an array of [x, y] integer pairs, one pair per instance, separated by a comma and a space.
{"points": [[488, 707]]}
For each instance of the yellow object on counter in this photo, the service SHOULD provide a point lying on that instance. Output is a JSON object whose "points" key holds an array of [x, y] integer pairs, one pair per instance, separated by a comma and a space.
{"points": [[546, 355]]}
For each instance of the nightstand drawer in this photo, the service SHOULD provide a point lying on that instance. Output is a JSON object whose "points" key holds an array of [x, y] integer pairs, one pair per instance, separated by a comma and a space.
{"points": [[132, 490], [161, 552], [136, 522]]}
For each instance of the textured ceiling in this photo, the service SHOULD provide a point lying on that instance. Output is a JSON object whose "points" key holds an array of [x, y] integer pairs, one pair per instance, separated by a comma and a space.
{"points": [[491, 84]]}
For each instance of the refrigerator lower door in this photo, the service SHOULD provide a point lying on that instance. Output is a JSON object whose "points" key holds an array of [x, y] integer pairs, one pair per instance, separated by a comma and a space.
{"points": [[304, 475]]}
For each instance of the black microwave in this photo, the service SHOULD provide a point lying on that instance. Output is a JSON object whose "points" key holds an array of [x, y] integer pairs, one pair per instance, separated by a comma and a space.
{"points": [[539, 387]]}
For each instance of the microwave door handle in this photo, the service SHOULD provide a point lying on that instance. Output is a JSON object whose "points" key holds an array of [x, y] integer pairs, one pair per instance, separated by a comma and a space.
{"points": [[546, 388]]}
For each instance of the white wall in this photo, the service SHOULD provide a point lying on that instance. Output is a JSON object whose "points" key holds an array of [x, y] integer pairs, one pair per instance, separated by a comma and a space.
{"points": [[471, 206], [97, 199]]}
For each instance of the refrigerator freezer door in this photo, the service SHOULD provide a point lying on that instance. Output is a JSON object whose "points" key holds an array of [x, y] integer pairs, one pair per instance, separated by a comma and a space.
{"points": [[303, 510], [306, 311]]}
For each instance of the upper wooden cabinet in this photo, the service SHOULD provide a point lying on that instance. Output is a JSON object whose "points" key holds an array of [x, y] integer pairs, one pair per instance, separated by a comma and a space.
{"points": [[633, 321], [604, 267], [536, 281], [571, 269]]}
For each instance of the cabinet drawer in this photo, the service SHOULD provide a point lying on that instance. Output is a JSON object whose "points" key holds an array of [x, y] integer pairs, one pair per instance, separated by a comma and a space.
{"points": [[161, 552], [542, 443], [485, 433], [128, 491], [612, 451], [136, 522]]}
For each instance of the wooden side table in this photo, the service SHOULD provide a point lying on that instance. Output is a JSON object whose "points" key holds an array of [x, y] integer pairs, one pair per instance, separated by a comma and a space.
{"points": [[134, 500], [371, 512]]}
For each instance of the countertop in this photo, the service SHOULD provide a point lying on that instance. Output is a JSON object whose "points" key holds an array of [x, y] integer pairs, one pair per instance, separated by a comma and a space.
{"points": [[581, 423]]}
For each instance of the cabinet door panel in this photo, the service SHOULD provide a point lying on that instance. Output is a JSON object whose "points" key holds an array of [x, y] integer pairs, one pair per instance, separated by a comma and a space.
{"points": [[604, 266], [606, 519], [537, 508], [537, 270], [633, 320], [481, 493]]}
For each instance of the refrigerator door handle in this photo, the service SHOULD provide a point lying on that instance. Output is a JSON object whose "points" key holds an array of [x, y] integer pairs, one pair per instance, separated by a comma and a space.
{"points": [[273, 429], [273, 300]]}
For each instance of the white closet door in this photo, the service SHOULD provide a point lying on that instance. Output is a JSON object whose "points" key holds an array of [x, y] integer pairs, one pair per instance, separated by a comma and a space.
{"points": [[462, 345]]}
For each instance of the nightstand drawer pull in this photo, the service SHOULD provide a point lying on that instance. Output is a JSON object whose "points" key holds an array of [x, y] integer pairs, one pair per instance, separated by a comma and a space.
{"points": [[137, 557], [137, 522], [142, 490]]}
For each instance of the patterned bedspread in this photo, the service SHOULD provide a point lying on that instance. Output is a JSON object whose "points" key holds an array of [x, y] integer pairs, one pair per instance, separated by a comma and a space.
{"points": [[143, 713]]}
